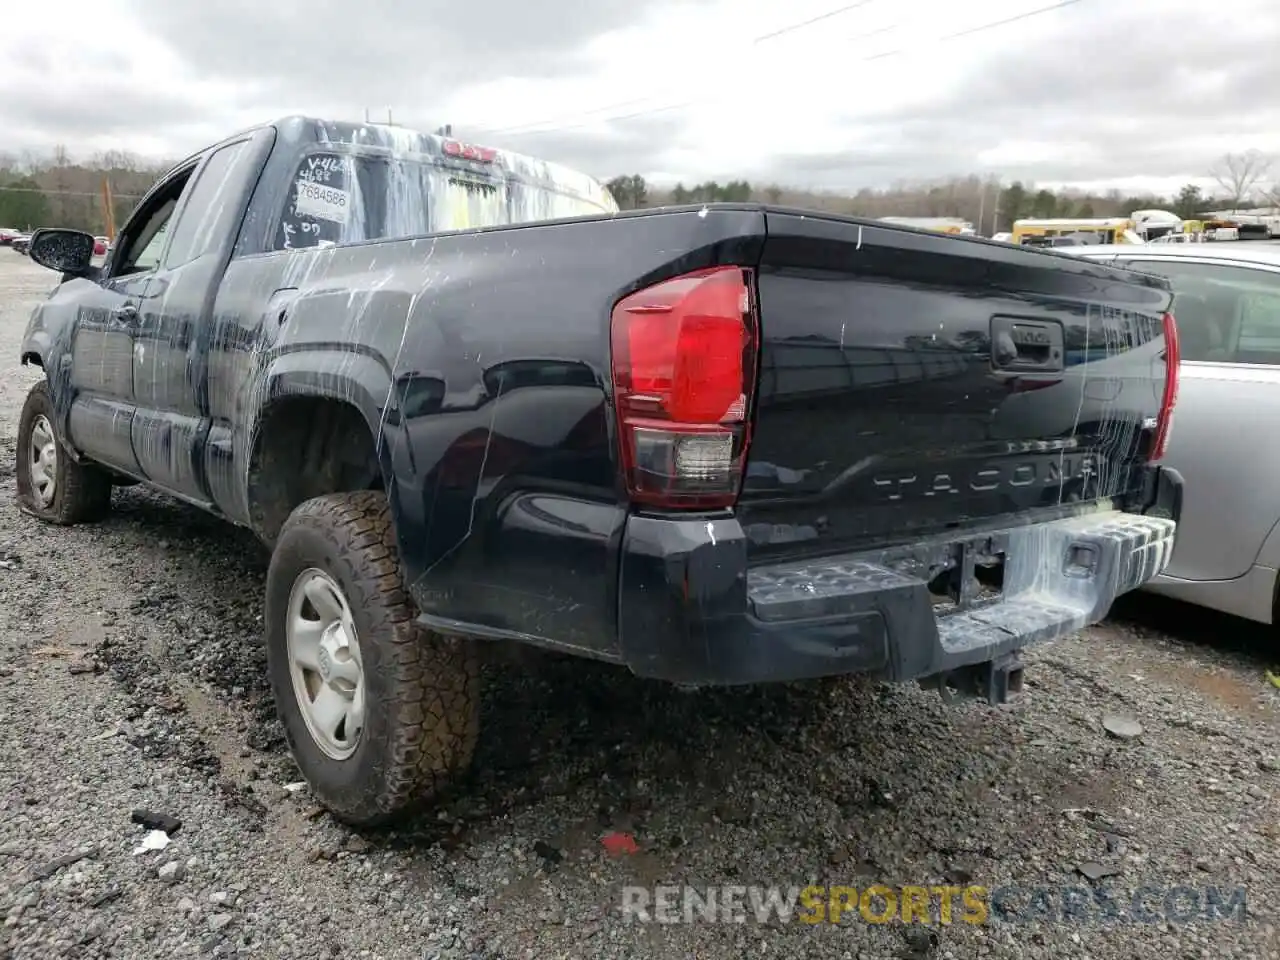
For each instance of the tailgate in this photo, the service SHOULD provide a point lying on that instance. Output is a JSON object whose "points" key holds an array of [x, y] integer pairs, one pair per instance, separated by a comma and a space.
{"points": [[910, 383]]}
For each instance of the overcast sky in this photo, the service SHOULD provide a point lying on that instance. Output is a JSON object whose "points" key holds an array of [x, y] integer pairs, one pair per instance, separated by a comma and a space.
{"points": [[1118, 92]]}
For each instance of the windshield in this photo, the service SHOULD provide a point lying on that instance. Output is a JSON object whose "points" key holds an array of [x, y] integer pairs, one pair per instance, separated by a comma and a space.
{"points": [[344, 198]]}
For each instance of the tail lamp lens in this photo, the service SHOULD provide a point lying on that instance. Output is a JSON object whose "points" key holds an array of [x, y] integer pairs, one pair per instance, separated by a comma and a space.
{"points": [[683, 372], [1172, 360]]}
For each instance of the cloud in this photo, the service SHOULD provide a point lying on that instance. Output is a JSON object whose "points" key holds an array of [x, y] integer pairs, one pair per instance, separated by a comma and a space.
{"points": [[410, 54], [603, 154], [677, 89], [59, 112], [1122, 92]]}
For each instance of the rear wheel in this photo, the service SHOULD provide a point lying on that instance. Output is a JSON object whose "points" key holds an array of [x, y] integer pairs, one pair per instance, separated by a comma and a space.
{"points": [[380, 713], [51, 485]]}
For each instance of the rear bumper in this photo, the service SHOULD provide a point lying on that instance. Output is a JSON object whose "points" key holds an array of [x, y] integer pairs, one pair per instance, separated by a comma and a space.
{"points": [[692, 611]]}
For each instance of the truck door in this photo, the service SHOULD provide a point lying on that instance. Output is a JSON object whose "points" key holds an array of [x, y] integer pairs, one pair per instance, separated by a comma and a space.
{"points": [[171, 345], [103, 338]]}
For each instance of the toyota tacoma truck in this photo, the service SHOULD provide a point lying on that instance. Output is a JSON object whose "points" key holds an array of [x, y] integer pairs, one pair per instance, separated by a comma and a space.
{"points": [[464, 401]]}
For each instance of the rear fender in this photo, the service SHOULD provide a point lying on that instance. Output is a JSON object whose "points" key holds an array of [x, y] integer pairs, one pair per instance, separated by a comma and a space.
{"points": [[347, 374]]}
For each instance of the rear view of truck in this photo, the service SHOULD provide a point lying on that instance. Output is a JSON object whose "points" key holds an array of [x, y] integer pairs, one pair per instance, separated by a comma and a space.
{"points": [[465, 402], [834, 467]]}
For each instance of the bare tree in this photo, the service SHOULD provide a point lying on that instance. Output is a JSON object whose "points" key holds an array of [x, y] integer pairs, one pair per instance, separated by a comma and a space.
{"points": [[1269, 192], [1240, 174], [33, 162]]}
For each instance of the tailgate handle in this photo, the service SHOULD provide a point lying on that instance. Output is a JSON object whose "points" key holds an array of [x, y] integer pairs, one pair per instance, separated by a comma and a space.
{"points": [[1026, 345]]}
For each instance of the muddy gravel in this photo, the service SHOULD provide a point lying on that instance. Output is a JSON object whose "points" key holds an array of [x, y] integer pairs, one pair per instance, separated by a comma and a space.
{"points": [[1143, 756]]}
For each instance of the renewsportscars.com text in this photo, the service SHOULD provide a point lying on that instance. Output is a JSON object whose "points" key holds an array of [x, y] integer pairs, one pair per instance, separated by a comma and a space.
{"points": [[933, 904]]}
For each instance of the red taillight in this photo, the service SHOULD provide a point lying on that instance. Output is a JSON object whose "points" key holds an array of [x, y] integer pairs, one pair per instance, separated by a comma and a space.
{"points": [[1172, 359], [683, 373], [468, 151]]}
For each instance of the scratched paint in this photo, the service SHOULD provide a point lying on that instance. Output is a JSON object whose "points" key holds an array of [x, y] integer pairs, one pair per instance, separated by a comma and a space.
{"points": [[477, 361]]}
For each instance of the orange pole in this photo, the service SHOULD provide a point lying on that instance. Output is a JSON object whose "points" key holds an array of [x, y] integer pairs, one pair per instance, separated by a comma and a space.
{"points": [[109, 209]]}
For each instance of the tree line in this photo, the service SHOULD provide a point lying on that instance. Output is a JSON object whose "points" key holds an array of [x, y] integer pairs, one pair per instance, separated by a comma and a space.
{"points": [[986, 204], [55, 190], [1240, 181], [44, 190]]}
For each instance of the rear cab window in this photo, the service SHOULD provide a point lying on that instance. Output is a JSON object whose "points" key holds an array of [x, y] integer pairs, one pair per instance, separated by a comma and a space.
{"points": [[1225, 313]]}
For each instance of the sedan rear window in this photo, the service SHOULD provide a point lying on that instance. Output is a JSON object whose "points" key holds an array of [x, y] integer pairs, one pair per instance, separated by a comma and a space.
{"points": [[1224, 312]]}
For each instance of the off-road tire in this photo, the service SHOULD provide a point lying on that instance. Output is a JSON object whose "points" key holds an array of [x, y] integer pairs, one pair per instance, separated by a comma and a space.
{"points": [[82, 491], [422, 690]]}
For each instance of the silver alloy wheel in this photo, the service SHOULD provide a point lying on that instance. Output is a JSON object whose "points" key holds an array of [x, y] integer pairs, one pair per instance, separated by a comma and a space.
{"points": [[325, 664], [43, 461]]}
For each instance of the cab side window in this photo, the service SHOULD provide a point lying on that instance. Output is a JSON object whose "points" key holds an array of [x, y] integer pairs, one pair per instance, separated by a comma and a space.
{"points": [[148, 257], [143, 240], [1224, 313], [326, 205], [211, 207], [338, 198]]}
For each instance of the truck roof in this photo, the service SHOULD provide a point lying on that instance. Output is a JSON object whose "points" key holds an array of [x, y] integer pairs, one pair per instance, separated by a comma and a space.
{"points": [[393, 140]]}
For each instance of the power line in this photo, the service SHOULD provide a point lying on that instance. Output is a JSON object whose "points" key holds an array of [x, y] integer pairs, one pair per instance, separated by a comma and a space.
{"points": [[873, 33], [878, 56], [69, 193], [1013, 19], [763, 38], [812, 20], [970, 31]]}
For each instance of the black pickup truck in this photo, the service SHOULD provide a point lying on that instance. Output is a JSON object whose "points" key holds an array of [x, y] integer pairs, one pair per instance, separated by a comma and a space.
{"points": [[464, 400]]}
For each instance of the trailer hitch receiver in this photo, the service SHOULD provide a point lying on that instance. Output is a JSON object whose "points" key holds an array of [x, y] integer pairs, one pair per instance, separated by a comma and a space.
{"points": [[996, 681]]}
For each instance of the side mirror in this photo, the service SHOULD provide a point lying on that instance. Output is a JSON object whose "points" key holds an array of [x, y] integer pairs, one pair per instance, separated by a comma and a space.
{"points": [[69, 252]]}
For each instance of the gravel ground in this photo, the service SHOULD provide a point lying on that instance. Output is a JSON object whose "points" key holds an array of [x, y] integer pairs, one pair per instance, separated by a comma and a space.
{"points": [[132, 676]]}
